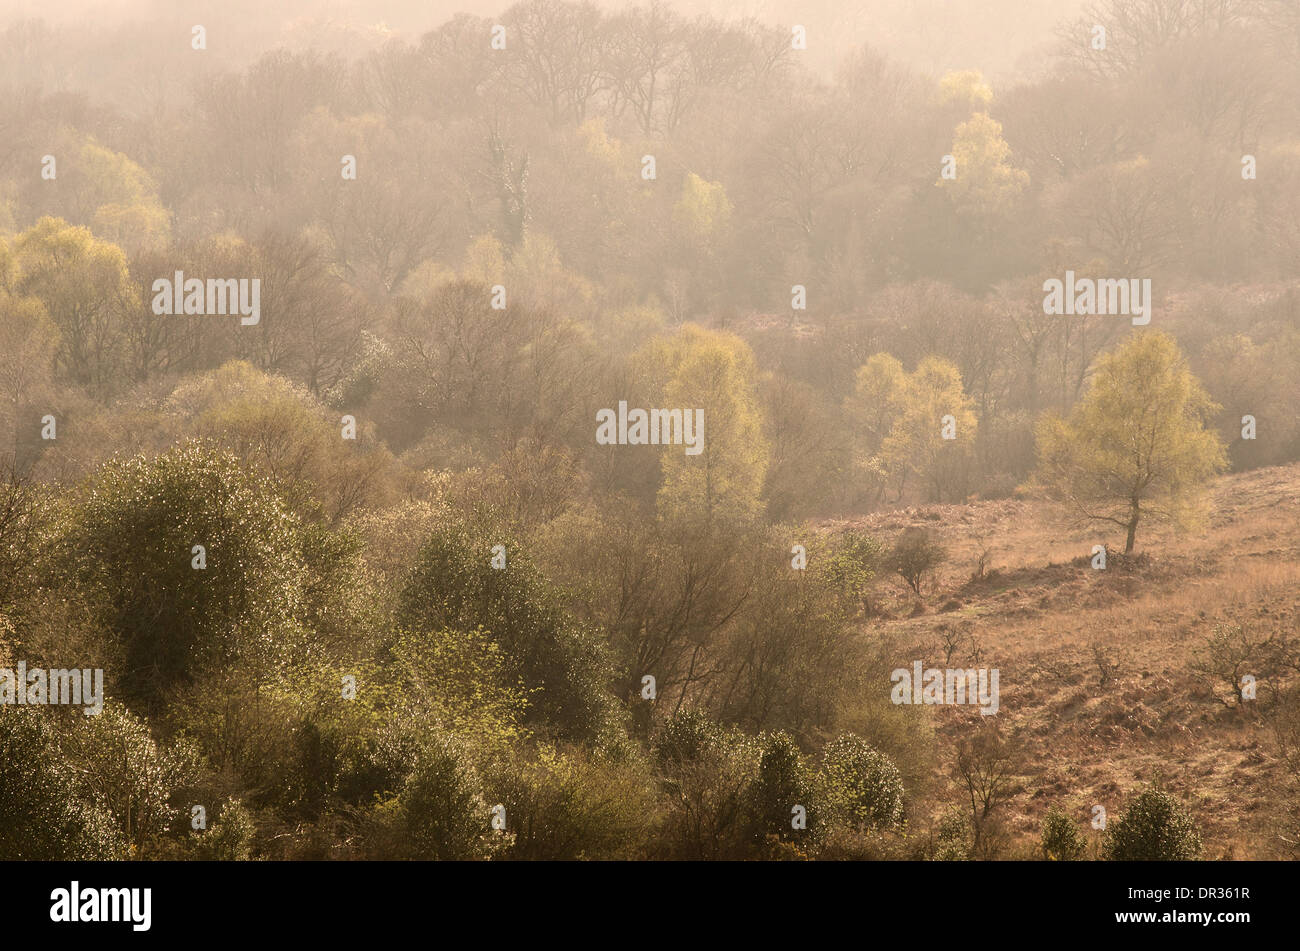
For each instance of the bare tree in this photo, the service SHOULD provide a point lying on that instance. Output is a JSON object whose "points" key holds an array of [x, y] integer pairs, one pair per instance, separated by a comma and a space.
{"points": [[986, 767]]}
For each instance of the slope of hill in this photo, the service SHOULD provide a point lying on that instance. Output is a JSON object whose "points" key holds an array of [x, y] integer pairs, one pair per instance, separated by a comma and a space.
{"points": [[1050, 623]]}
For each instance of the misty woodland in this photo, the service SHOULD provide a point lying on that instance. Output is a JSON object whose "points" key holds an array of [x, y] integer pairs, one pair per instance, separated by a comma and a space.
{"points": [[650, 431]]}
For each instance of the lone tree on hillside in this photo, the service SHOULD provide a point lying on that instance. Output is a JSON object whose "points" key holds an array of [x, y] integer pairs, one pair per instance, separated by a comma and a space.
{"points": [[1136, 446], [916, 554]]}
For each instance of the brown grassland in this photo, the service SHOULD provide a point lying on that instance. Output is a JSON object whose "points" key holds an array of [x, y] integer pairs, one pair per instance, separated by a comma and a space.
{"points": [[1041, 608]]}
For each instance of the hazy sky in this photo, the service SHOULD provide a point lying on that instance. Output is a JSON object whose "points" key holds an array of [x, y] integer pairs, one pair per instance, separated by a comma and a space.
{"points": [[997, 36]]}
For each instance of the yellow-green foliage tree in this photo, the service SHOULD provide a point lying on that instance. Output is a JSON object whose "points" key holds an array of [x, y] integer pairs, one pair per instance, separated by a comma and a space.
{"points": [[460, 682], [1137, 445], [28, 339], [913, 426], [872, 408], [119, 198], [933, 434], [703, 208], [877, 397], [966, 87], [278, 428], [532, 273], [84, 284], [986, 182], [715, 372], [106, 191]]}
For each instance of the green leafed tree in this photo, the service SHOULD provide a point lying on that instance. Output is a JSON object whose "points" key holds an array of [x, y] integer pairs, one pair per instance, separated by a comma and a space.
{"points": [[440, 812], [126, 770], [703, 208], [932, 436], [131, 548], [1138, 445], [715, 372], [914, 427], [986, 181], [84, 285], [119, 198], [28, 342], [562, 663]]}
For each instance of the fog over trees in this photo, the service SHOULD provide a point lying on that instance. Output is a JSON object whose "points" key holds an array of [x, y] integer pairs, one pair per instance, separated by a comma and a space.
{"points": [[310, 316]]}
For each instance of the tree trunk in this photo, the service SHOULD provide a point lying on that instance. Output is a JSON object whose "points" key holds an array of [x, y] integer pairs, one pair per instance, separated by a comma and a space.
{"points": [[1132, 531]]}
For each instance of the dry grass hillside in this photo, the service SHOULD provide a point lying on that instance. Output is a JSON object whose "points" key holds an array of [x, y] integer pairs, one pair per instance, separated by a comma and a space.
{"points": [[1050, 622]]}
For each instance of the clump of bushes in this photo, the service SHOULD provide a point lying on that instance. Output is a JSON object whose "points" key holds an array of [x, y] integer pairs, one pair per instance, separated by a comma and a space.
{"points": [[1061, 841], [1154, 827]]}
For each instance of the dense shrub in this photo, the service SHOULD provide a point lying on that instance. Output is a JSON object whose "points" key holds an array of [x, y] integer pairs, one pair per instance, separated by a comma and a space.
{"points": [[44, 811], [862, 786], [1061, 841], [952, 836], [565, 805], [231, 837], [784, 782], [1154, 827], [705, 774], [563, 664], [128, 548], [441, 812]]}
